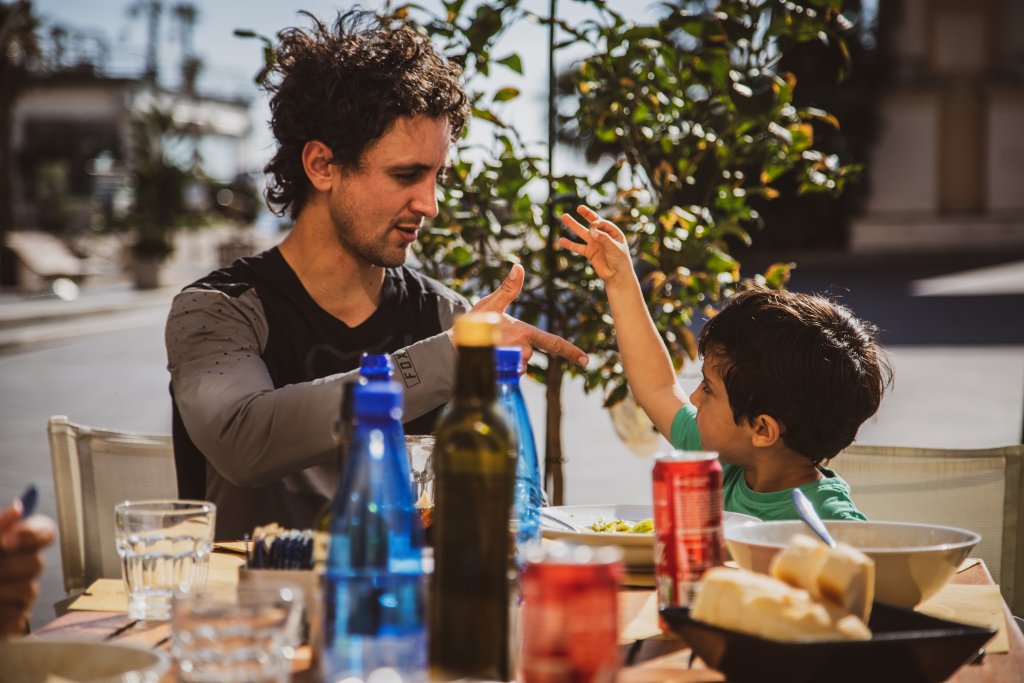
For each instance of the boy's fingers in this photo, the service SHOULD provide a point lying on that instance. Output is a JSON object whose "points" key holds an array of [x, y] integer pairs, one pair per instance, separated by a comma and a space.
{"points": [[575, 247], [574, 225], [588, 213]]}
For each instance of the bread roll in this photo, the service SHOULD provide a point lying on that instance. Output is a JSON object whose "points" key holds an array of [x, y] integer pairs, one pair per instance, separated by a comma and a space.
{"points": [[800, 563], [842, 575], [848, 579], [763, 606]]}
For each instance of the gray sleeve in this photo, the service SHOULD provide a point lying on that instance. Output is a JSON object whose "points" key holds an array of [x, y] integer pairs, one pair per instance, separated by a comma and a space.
{"points": [[427, 368], [252, 433]]}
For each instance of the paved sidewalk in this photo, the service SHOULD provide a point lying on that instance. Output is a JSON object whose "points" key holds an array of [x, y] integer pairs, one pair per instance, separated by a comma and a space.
{"points": [[107, 301]]}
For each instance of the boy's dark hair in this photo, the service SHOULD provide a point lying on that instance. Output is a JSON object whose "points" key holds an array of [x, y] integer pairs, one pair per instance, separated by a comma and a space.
{"points": [[345, 85], [802, 359]]}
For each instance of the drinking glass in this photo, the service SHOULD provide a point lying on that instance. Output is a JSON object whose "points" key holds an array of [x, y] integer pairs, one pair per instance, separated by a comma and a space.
{"points": [[248, 635], [421, 467], [162, 543]]}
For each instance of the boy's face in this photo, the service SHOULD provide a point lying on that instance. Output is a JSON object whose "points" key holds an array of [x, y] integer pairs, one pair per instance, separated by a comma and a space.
{"points": [[718, 430]]}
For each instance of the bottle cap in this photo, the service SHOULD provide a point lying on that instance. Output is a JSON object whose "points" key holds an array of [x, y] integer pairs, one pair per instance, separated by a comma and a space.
{"points": [[376, 366], [508, 357], [478, 329], [381, 399]]}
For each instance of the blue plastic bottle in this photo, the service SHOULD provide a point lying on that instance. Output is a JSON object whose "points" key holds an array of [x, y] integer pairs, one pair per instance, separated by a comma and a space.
{"points": [[374, 585], [527, 497], [376, 367]]}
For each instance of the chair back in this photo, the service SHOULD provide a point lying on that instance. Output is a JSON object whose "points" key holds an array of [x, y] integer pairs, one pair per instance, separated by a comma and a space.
{"points": [[980, 489], [93, 470]]}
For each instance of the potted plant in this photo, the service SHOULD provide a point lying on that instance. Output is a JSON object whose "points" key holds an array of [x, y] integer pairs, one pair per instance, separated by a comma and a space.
{"points": [[159, 187]]}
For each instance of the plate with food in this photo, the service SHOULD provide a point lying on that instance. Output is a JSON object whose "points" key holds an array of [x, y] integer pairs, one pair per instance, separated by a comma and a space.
{"points": [[629, 527]]}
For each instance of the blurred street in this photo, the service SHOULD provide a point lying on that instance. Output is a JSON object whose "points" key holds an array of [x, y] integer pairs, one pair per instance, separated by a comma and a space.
{"points": [[953, 328]]}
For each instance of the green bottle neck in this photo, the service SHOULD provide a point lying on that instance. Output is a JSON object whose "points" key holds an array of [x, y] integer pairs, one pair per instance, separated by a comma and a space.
{"points": [[475, 375]]}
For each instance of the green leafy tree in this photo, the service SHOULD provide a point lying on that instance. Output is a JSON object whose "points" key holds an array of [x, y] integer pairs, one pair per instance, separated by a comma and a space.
{"points": [[687, 117]]}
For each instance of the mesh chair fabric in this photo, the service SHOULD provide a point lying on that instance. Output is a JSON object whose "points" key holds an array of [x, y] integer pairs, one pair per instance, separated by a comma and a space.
{"points": [[978, 489], [94, 469]]}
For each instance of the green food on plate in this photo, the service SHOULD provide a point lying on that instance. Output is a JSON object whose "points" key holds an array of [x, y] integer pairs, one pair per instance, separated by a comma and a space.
{"points": [[622, 526]]}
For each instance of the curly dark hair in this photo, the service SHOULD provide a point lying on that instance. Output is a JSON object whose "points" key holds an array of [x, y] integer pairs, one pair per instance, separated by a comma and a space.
{"points": [[804, 360], [345, 85]]}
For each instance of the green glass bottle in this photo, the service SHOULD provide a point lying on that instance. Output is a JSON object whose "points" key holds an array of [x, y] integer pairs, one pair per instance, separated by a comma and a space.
{"points": [[475, 470]]}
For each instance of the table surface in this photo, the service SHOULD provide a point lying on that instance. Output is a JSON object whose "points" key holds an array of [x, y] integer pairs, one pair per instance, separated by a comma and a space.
{"points": [[653, 660]]}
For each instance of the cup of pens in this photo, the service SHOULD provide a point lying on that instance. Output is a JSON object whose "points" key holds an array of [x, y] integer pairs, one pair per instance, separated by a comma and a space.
{"points": [[278, 558]]}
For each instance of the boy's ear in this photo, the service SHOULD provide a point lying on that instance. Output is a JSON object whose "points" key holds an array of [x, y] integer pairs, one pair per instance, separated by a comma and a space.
{"points": [[316, 162], [767, 431]]}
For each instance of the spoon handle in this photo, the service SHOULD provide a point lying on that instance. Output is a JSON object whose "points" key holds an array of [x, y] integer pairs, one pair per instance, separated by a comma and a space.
{"points": [[807, 513]]}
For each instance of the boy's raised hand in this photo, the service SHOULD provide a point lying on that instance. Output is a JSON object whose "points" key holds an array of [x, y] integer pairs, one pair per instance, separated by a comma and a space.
{"points": [[604, 244]]}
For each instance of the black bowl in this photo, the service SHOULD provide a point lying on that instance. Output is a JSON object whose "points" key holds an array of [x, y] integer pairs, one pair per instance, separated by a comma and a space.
{"points": [[905, 647]]}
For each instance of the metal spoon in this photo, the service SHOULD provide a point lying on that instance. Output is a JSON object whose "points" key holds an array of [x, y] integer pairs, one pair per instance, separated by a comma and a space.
{"points": [[811, 518]]}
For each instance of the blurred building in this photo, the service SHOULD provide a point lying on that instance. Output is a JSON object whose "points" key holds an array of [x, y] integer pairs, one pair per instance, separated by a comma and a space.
{"points": [[948, 167], [73, 144]]}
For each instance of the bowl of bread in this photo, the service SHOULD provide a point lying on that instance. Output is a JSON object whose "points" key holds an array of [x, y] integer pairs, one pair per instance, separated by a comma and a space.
{"points": [[812, 618], [911, 561]]}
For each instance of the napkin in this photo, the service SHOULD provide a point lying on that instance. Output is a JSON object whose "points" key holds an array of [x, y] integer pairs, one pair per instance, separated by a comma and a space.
{"points": [[974, 605], [638, 616], [108, 595]]}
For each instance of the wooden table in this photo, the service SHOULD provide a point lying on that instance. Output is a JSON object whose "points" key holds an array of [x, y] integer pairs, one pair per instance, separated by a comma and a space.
{"points": [[653, 660]]}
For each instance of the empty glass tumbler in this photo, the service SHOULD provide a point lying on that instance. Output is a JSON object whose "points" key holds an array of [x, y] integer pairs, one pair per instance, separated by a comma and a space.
{"points": [[162, 543], [246, 635]]}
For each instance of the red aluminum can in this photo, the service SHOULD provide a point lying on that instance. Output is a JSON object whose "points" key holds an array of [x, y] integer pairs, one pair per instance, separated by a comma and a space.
{"points": [[570, 615], [688, 537]]}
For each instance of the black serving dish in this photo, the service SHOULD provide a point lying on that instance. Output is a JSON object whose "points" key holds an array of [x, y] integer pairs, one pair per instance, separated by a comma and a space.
{"points": [[905, 647]]}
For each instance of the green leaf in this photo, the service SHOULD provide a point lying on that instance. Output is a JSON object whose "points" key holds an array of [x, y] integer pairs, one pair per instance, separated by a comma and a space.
{"points": [[506, 94], [512, 62]]}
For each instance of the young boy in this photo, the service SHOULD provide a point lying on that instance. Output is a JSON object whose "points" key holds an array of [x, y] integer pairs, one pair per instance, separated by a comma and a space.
{"points": [[787, 380]]}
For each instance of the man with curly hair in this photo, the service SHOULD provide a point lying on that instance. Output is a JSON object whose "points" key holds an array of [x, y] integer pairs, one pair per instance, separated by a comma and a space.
{"points": [[364, 112]]}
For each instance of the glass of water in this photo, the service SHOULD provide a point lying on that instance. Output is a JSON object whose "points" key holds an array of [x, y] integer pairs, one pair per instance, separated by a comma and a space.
{"points": [[421, 466], [162, 543], [248, 635]]}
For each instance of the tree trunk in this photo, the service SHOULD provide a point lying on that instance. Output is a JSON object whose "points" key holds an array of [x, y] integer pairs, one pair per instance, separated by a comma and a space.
{"points": [[7, 95], [554, 482]]}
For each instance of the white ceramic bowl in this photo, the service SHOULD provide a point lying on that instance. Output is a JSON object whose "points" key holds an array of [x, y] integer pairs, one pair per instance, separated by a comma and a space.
{"points": [[33, 660], [912, 561], [637, 549]]}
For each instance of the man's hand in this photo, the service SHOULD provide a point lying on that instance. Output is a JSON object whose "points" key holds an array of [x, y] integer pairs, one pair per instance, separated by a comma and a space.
{"points": [[21, 563], [516, 332]]}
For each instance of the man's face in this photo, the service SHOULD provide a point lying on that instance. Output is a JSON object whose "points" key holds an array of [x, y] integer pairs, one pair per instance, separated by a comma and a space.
{"points": [[378, 207], [718, 430]]}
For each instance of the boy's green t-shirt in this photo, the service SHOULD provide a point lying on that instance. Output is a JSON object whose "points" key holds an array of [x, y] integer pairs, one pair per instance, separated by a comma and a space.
{"points": [[830, 496]]}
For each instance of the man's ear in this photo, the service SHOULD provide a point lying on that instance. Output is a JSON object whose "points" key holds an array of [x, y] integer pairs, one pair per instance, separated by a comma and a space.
{"points": [[767, 431], [316, 162]]}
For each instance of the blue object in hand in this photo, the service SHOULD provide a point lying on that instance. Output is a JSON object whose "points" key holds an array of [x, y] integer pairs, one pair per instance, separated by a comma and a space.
{"points": [[28, 500]]}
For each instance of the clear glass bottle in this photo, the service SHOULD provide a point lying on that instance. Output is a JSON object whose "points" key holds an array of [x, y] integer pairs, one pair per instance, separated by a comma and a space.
{"points": [[374, 586], [474, 473], [527, 496]]}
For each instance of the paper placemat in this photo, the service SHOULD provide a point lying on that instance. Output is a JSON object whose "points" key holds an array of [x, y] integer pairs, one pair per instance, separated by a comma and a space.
{"points": [[974, 605], [638, 612], [967, 564], [108, 595]]}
